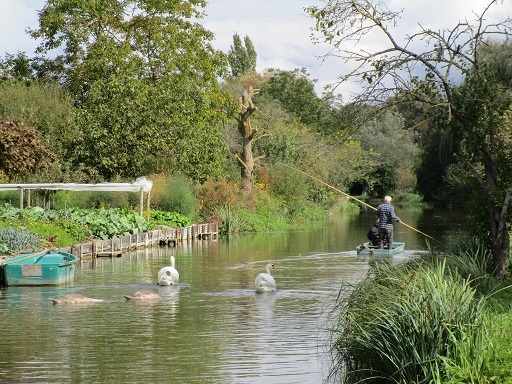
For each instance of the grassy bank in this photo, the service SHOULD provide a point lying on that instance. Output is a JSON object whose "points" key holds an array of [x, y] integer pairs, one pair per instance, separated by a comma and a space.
{"points": [[440, 319]]}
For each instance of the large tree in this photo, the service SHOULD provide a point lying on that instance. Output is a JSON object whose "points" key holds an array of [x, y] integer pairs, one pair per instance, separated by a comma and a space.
{"points": [[424, 64], [145, 77]]}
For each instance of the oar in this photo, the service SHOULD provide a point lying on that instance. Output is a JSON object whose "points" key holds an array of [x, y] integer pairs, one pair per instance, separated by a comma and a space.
{"points": [[360, 201]]}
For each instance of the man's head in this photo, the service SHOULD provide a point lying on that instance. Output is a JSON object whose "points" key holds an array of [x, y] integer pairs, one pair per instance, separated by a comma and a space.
{"points": [[387, 199]]}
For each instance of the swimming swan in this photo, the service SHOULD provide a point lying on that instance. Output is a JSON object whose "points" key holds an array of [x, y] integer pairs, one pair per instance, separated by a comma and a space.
{"points": [[168, 275], [75, 298], [144, 295], [264, 282]]}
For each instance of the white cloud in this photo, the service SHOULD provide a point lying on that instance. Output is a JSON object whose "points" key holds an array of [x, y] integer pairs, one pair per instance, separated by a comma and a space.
{"points": [[279, 29]]}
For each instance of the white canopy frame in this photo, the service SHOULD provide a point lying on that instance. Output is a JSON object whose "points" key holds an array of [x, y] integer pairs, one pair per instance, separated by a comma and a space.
{"points": [[141, 185]]}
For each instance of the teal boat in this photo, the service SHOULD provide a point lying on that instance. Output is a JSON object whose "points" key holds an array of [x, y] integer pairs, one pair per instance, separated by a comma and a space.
{"points": [[42, 268], [367, 249]]}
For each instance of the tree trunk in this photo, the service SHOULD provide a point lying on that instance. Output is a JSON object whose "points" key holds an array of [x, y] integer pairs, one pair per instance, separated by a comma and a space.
{"points": [[247, 164], [500, 244], [247, 108]]}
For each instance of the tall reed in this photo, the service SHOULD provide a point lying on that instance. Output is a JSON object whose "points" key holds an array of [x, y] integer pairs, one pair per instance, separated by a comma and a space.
{"points": [[405, 323]]}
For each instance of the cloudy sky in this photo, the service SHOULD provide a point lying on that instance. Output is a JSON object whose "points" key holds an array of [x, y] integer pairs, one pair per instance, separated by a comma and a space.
{"points": [[279, 29]]}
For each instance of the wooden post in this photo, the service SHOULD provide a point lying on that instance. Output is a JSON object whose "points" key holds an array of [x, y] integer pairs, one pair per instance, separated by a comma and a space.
{"points": [[21, 198], [141, 203]]}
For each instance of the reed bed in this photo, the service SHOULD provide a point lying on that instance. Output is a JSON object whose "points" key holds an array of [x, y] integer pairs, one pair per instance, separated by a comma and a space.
{"points": [[413, 323]]}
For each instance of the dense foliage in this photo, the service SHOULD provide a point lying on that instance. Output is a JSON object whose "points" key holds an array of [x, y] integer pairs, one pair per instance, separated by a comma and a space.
{"points": [[21, 150], [173, 219], [142, 83]]}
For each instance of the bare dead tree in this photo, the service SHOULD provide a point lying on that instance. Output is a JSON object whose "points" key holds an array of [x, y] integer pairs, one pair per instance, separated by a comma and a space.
{"points": [[249, 136]]}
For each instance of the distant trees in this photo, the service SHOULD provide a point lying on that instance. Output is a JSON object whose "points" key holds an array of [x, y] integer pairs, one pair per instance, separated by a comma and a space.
{"points": [[394, 153], [242, 56], [296, 92], [478, 111]]}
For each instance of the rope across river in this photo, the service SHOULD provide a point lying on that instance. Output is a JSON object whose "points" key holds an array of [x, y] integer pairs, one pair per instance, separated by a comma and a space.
{"points": [[359, 201]]}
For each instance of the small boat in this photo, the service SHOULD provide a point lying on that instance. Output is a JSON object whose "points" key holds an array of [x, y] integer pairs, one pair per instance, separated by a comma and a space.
{"points": [[42, 268], [367, 249]]}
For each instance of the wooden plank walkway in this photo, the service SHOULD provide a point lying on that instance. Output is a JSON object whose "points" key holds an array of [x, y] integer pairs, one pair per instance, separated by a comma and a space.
{"points": [[169, 236]]}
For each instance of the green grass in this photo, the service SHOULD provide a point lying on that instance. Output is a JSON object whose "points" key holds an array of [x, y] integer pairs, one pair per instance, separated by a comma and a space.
{"points": [[426, 321], [500, 365], [54, 235]]}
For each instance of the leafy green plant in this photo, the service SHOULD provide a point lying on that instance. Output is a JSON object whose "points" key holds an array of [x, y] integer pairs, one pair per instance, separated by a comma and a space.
{"points": [[108, 223], [231, 221], [3, 247], [60, 233], [18, 240], [176, 196], [173, 219], [79, 223]]}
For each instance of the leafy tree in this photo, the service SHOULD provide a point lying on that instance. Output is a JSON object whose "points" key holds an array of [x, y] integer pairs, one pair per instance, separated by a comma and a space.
{"points": [[145, 80], [391, 69], [296, 92], [242, 59], [437, 155], [45, 106], [16, 67]]}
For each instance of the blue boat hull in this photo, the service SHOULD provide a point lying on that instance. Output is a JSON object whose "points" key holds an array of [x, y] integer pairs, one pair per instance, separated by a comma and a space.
{"points": [[371, 251], [46, 268]]}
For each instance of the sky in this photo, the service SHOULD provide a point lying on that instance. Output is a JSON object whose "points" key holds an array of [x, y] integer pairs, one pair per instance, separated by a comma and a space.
{"points": [[279, 29]]}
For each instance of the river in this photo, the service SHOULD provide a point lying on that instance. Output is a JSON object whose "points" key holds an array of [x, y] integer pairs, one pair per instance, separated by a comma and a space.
{"points": [[213, 327]]}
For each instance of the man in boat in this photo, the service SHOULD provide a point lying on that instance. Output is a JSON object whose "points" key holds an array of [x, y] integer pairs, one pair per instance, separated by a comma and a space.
{"points": [[386, 215]]}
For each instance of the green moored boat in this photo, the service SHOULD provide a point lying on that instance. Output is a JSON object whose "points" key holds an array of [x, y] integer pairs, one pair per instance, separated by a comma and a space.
{"points": [[42, 268], [367, 249]]}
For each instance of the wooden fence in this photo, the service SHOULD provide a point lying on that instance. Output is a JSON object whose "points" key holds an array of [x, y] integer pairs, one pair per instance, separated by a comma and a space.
{"points": [[118, 245]]}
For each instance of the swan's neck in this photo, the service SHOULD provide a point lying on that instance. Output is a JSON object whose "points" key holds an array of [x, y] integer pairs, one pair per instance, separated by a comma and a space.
{"points": [[172, 261], [268, 269]]}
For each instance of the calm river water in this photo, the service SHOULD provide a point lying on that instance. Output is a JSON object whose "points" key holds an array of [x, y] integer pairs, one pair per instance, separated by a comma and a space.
{"points": [[213, 327]]}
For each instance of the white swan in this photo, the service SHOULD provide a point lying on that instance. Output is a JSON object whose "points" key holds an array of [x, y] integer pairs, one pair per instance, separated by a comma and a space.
{"points": [[168, 275], [144, 295], [75, 298], [264, 282]]}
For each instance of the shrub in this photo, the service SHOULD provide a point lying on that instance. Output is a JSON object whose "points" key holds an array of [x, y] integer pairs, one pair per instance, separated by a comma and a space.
{"points": [[172, 219], [174, 194], [213, 195]]}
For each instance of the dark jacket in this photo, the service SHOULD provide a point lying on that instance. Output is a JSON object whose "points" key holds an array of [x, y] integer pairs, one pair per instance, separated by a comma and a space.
{"points": [[373, 235]]}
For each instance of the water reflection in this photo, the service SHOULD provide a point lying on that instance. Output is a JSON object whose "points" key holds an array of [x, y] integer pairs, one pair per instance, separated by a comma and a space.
{"points": [[213, 327]]}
